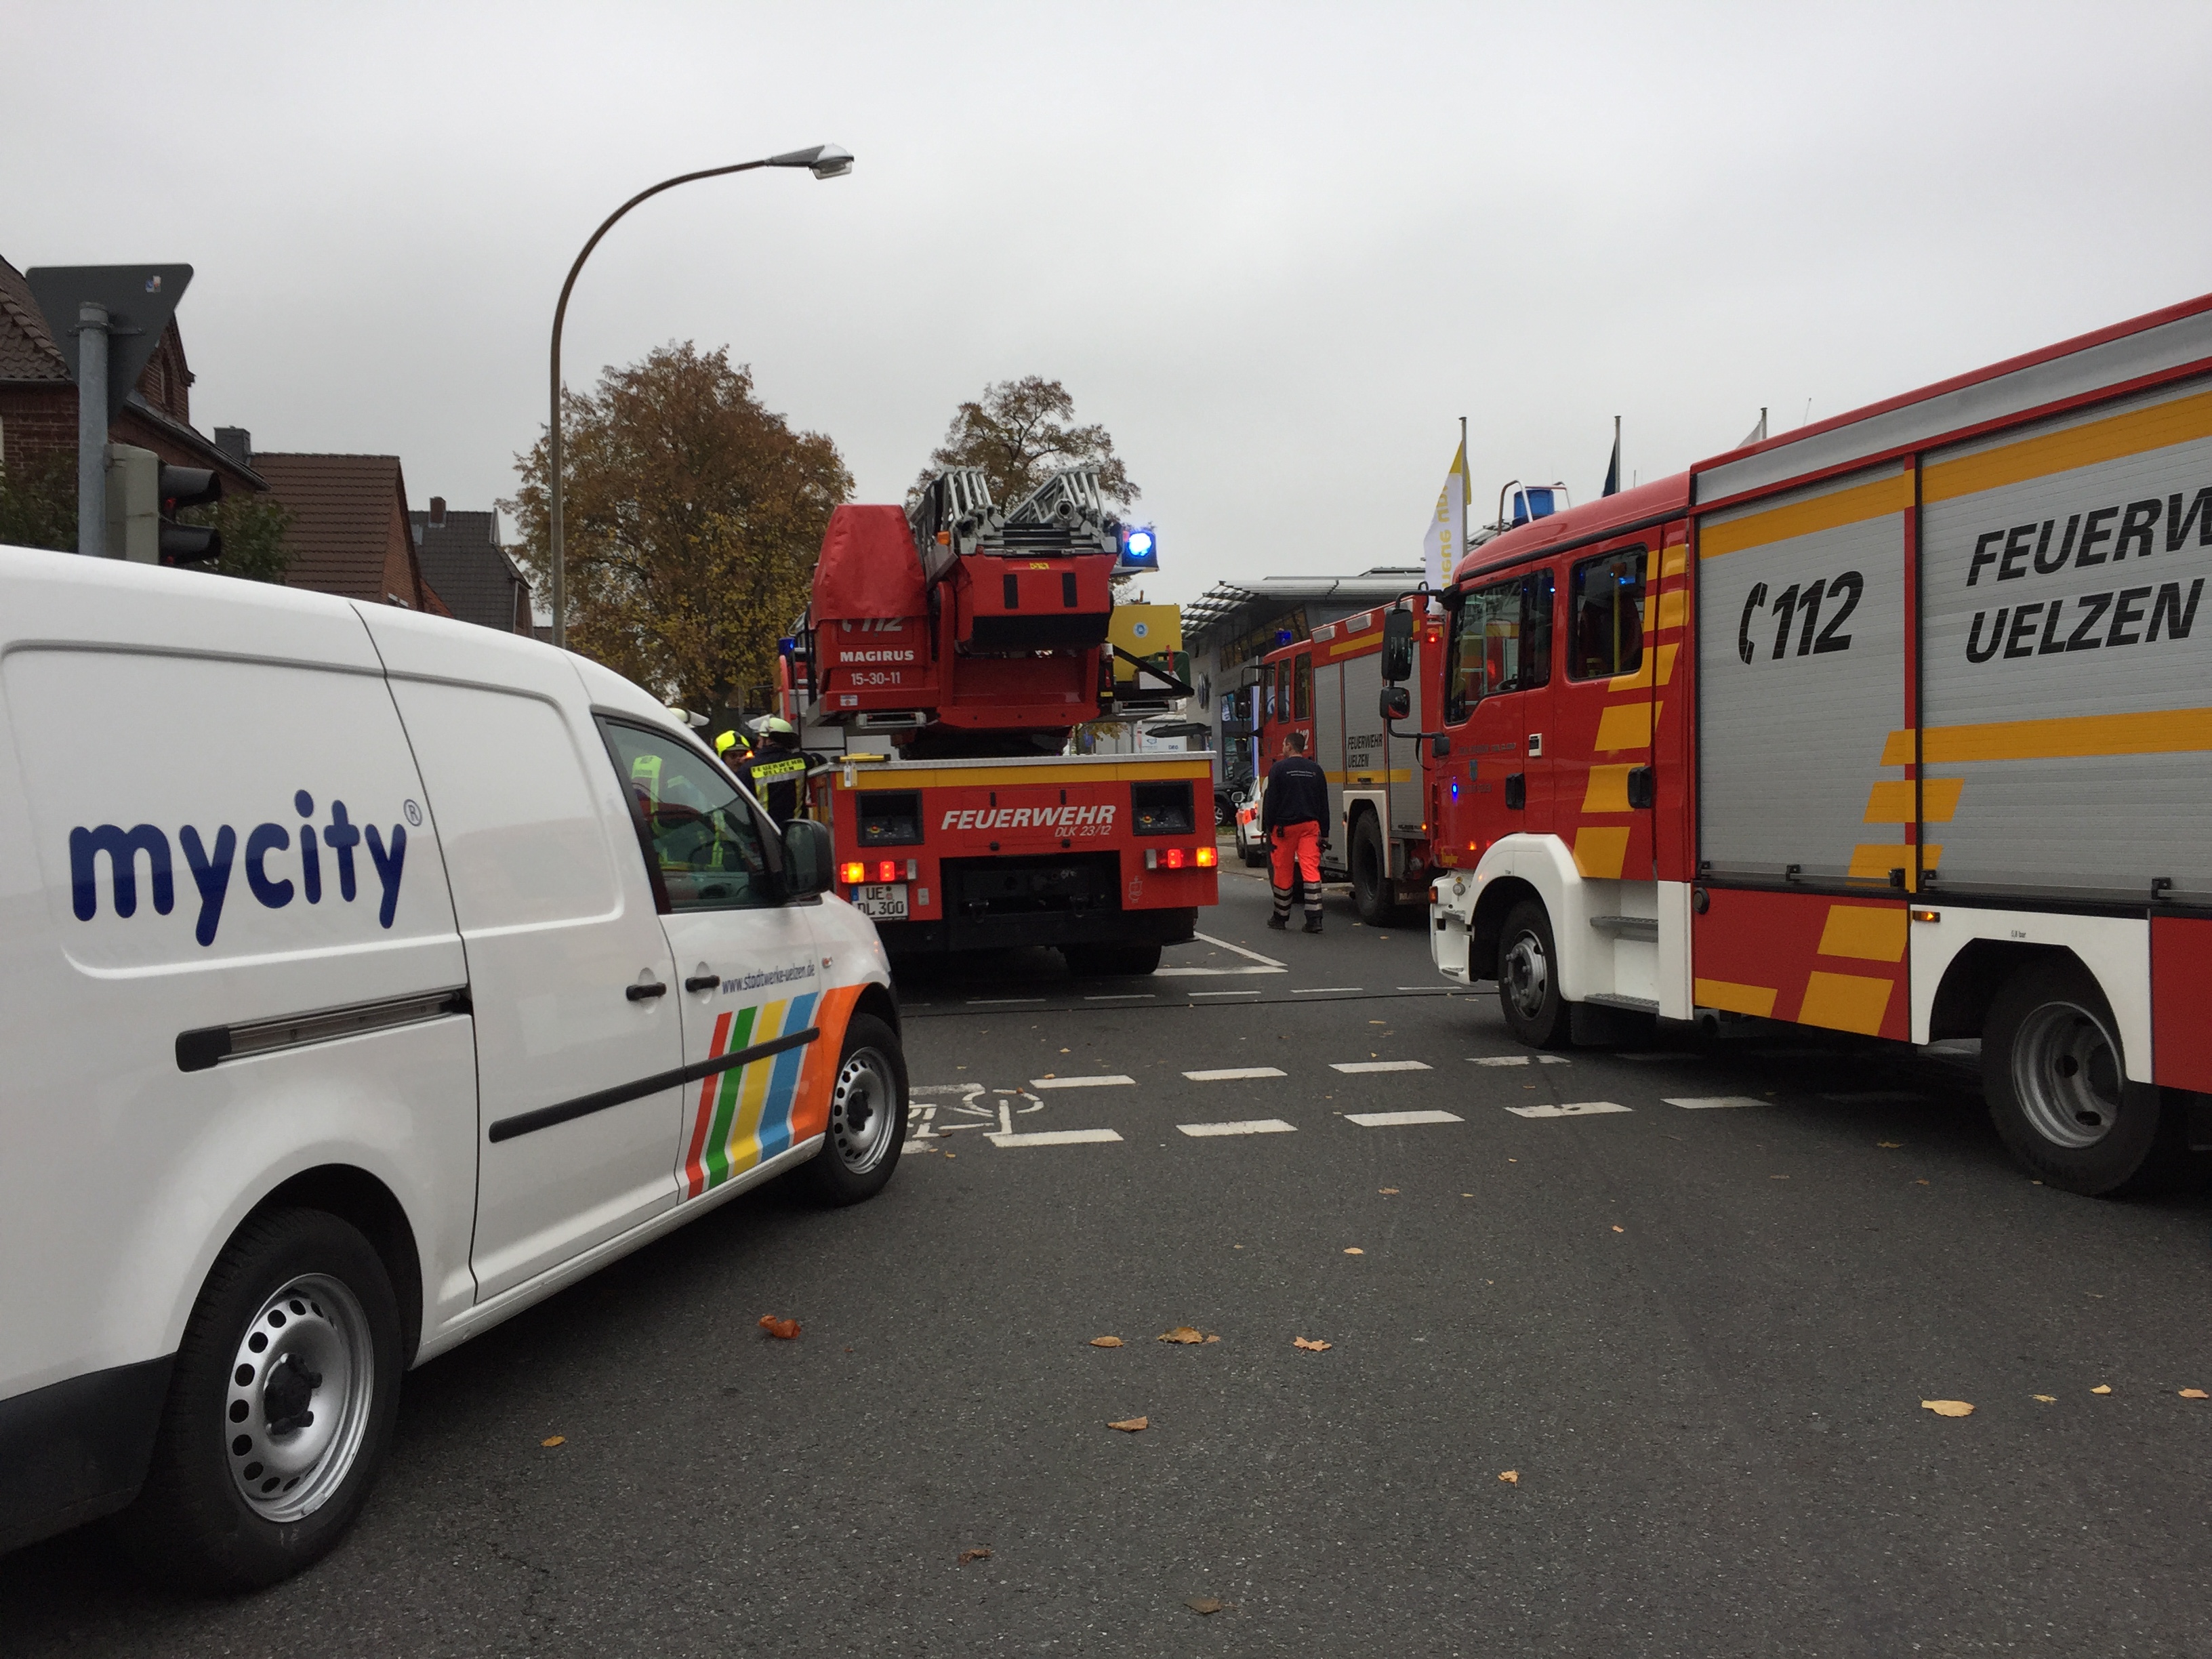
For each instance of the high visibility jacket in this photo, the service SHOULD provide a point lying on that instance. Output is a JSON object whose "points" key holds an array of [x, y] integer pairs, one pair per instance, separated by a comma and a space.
{"points": [[777, 777]]}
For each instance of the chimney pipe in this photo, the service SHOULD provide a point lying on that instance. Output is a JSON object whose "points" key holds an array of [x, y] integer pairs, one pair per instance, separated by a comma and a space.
{"points": [[438, 511]]}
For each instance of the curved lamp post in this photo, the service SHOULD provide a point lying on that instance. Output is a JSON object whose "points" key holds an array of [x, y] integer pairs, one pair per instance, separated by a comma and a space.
{"points": [[824, 162]]}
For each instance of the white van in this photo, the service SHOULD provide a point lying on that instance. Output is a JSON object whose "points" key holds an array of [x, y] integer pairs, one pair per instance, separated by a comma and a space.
{"points": [[365, 977]]}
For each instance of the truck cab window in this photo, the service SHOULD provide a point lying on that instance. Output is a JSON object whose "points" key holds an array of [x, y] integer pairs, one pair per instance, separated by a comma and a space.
{"points": [[704, 834], [1608, 596], [1302, 697], [1501, 643]]}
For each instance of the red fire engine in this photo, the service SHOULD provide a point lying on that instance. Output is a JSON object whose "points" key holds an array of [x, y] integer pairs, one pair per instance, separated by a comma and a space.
{"points": [[973, 640], [1896, 725]]}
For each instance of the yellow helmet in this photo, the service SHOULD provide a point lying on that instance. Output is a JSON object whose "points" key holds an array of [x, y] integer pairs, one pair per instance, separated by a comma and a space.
{"points": [[730, 740]]}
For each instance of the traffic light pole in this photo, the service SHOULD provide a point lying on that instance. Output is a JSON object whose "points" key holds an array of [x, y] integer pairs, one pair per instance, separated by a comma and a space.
{"points": [[92, 430]]}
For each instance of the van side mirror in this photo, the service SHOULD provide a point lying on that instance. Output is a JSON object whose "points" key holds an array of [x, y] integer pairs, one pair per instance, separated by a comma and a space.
{"points": [[1397, 647], [808, 855], [1397, 702]]}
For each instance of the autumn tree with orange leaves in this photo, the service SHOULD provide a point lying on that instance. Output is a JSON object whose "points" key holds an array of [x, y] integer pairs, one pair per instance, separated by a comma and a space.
{"points": [[693, 515], [1020, 433]]}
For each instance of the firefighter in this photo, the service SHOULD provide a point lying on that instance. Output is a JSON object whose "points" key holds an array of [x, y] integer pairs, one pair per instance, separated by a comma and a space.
{"points": [[733, 749], [776, 772], [1290, 817]]}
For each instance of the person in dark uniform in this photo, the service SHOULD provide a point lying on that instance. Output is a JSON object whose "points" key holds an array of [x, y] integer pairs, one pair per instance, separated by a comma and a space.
{"points": [[776, 773], [1291, 814]]}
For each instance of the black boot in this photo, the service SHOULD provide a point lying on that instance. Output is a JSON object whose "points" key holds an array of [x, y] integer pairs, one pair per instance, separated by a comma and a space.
{"points": [[1280, 924], [1313, 922]]}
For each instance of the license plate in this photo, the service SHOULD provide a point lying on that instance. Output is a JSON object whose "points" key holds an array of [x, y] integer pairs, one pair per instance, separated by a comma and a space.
{"points": [[881, 901]]}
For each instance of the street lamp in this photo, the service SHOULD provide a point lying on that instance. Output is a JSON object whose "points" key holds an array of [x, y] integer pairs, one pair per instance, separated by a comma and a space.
{"points": [[824, 162]]}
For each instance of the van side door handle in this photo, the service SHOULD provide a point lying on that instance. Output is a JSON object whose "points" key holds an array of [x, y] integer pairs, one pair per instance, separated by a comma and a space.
{"points": [[640, 993], [702, 981]]}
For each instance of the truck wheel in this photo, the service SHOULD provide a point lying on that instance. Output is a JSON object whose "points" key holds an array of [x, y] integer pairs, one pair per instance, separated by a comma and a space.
{"points": [[280, 1405], [1370, 873], [1528, 978], [2056, 1082], [868, 1115], [1096, 961]]}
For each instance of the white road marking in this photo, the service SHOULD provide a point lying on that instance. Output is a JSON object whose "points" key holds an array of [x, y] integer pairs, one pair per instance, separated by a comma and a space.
{"points": [[1225, 994], [1079, 1082], [1517, 1059], [1053, 1138], [1397, 1120], [1578, 1108], [1124, 996], [1316, 990], [1255, 1126], [1232, 1073], [1250, 955], [1380, 1065], [1711, 1102], [1166, 972], [1443, 988], [1873, 1095]]}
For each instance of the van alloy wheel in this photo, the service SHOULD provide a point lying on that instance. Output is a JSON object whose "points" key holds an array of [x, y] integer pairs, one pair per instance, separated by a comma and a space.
{"points": [[2066, 1075], [861, 1111], [302, 1387]]}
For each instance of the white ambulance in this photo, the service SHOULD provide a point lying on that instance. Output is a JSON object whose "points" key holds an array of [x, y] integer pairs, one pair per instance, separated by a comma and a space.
{"points": [[365, 977]]}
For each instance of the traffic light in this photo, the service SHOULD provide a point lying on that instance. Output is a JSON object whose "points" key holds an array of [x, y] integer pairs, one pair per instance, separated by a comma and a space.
{"points": [[188, 486]]}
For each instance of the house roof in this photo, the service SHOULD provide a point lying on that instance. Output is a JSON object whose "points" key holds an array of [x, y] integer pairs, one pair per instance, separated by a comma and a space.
{"points": [[462, 559], [346, 512], [27, 351]]}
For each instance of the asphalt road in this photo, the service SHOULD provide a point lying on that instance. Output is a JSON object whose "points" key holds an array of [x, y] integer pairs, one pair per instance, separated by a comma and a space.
{"points": [[1698, 1337]]}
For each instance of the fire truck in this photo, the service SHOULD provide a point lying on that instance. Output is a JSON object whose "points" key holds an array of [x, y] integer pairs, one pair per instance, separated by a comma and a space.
{"points": [[967, 642], [1897, 725]]}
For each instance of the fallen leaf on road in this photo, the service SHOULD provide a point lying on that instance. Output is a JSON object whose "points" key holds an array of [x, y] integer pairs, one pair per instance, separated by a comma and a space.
{"points": [[2102, 1388], [1511, 1477], [1105, 1341], [782, 1329], [555, 1440], [1948, 1407], [1892, 1144], [1922, 1182], [1132, 1425], [1314, 1346], [2047, 1399], [1213, 1339], [1182, 1334], [2195, 1393], [1385, 1189], [966, 1556], [1620, 1230], [1203, 1604], [1354, 1249], [952, 1154], [1063, 1051]]}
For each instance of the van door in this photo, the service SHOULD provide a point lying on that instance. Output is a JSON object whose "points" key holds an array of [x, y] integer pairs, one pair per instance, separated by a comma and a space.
{"points": [[751, 980], [569, 973]]}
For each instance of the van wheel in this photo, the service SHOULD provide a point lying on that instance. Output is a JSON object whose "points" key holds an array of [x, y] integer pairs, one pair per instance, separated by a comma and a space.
{"points": [[1528, 978], [280, 1407], [1096, 960], [1370, 873], [2056, 1082], [868, 1115]]}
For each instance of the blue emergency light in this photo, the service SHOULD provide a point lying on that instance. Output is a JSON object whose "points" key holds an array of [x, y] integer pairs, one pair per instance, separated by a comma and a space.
{"points": [[1141, 549]]}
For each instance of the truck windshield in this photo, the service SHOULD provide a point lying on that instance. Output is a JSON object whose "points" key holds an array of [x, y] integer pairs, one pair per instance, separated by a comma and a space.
{"points": [[1502, 642]]}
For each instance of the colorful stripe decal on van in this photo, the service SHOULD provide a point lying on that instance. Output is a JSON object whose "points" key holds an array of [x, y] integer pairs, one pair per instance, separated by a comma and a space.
{"points": [[746, 1107]]}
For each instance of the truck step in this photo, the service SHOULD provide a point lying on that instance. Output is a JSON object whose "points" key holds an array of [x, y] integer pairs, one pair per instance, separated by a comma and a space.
{"points": [[1627, 927]]}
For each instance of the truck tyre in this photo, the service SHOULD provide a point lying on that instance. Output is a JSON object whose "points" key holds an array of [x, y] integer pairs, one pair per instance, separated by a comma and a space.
{"points": [[1528, 978], [868, 1116], [280, 1405], [1370, 873], [2055, 1078], [1096, 961]]}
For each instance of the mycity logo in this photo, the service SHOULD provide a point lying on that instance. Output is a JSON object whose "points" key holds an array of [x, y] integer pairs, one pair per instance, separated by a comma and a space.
{"points": [[267, 863]]}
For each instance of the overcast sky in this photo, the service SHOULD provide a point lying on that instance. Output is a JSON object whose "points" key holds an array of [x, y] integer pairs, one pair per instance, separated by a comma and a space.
{"points": [[1278, 250]]}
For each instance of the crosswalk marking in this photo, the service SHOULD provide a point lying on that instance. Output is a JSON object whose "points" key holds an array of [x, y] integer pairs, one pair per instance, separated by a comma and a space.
{"points": [[1576, 1109], [1233, 1073], [1079, 1082], [1518, 1060], [1379, 1065], [1253, 1126], [1052, 1137], [1399, 1119], [1709, 1103]]}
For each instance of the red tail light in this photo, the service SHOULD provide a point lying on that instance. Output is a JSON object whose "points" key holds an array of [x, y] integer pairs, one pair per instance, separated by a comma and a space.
{"points": [[887, 871], [1177, 858]]}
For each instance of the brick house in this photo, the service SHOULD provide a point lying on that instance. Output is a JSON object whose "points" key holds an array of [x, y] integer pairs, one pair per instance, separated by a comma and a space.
{"points": [[38, 399], [350, 532], [462, 561]]}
